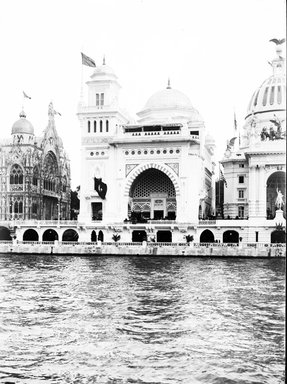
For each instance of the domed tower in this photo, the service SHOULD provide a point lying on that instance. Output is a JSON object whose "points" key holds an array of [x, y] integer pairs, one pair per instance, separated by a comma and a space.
{"points": [[22, 130], [255, 174], [266, 111]]}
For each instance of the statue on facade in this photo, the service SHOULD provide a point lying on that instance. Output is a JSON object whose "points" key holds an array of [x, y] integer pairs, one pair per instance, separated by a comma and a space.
{"points": [[278, 124], [279, 199]]}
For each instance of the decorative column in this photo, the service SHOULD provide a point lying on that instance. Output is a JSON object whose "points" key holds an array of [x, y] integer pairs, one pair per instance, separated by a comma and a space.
{"points": [[261, 193], [252, 192]]}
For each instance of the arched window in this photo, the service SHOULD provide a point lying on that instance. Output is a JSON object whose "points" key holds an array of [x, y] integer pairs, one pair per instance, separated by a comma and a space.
{"points": [[50, 171], [102, 99], [20, 206], [279, 95], [101, 125], [16, 208], [97, 99], [95, 126], [89, 126], [16, 175], [107, 125], [241, 212], [265, 96], [272, 95], [35, 176]]}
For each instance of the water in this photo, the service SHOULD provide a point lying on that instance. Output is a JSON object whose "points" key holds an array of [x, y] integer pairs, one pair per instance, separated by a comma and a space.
{"points": [[141, 320]]}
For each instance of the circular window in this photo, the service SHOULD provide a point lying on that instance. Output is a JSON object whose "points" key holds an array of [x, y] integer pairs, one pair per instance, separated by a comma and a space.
{"points": [[164, 151], [133, 152], [97, 153], [139, 152], [177, 151], [151, 152], [145, 152], [102, 153], [126, 152], [92, 153], [171, 151], [158, 151]]}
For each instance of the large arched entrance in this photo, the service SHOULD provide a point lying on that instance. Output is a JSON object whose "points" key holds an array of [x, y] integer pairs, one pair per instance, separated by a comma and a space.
{"points": [[152, 196], [275, 183], [139, 236], [207, 236], [50, 235], [30, 235], [231, 237], [278, 236], [5, 234], [70, 235]]}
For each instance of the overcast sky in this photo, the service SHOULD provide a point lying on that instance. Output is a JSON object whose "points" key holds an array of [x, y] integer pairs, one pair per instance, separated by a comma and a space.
{"points": [[216, 52]]}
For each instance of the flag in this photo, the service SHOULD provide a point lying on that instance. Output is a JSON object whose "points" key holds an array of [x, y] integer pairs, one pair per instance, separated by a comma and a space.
{"points": [[86, 60], [223, 178], [235, 122], [26, 96]]}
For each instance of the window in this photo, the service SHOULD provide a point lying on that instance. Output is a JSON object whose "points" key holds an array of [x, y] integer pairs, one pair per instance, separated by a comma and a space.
{"points": [[101, 126], [241, 212], [102, 99], [272, 95], [241, 165], [34, 208], [97, 99], [95, 126], [265, 96], [107, 125], [16, 175], [279, 95], [241, 179], [241, 193], [89, 126]]}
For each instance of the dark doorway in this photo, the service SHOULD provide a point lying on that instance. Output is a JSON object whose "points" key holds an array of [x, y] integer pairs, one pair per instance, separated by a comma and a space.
{"points": [[101, 236], [207, 237], [231, 237], [5, 234], [30, 235], [50, 235], [139, 236], [93, 236], [278, 237], [158, 215], [70, 235], [164, 237]]}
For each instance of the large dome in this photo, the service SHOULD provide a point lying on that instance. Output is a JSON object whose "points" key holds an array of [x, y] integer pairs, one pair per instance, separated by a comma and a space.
{"points": [[22, 126], [271, 95], [168, 99]]}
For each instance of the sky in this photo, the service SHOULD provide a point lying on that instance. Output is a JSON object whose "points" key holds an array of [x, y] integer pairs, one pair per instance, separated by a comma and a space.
{"points": [[216, 52]]}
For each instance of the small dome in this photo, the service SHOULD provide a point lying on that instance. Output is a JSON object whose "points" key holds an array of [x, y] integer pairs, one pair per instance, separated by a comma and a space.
{"points": [[22, 125], [103, 71], [168, 99]]}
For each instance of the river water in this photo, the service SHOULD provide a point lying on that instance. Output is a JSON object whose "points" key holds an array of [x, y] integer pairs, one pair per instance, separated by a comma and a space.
{"points": [[151, 320]]}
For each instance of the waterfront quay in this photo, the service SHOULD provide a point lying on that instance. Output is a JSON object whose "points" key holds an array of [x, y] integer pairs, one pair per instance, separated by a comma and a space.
{"points": [[144, 249]]}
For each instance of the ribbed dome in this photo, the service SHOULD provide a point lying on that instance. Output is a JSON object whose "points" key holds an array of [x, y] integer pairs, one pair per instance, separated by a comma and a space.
{"points": [[270, 96], [168, 99], [22, 126]]}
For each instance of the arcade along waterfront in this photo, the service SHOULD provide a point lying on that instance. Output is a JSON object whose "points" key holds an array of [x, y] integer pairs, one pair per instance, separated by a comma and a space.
{"points": [[157, 320]]}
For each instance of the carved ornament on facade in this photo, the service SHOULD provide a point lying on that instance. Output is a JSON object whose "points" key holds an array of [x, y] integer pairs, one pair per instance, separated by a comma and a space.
{"points": [[174, 167], [129, 168]]}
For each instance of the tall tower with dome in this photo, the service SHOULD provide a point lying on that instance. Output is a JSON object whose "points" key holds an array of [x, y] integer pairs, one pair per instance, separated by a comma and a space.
{"points": [[154, 178], [34, 173], [257, 171]]}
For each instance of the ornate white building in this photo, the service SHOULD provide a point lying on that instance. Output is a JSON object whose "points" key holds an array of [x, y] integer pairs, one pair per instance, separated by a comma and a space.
{"points": [[148, 174], [34, 173], [256, 173]]}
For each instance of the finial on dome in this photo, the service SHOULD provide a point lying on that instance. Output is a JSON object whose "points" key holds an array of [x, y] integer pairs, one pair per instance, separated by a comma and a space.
{"points": [[168, 84], [104, 60], [22, 114], [278, 63]]}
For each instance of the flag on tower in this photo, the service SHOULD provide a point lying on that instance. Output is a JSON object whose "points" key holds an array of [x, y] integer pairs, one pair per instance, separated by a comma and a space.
{"points": [[235, 123], [86, 60], [26, 96]]}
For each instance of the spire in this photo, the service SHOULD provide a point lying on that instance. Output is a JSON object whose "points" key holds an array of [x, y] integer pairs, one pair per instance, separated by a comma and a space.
{"points": [[168, 84], [22, 114]]}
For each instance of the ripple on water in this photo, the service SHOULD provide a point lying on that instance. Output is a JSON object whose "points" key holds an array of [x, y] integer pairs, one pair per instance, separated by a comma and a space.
{"points": [[141, 320]]}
